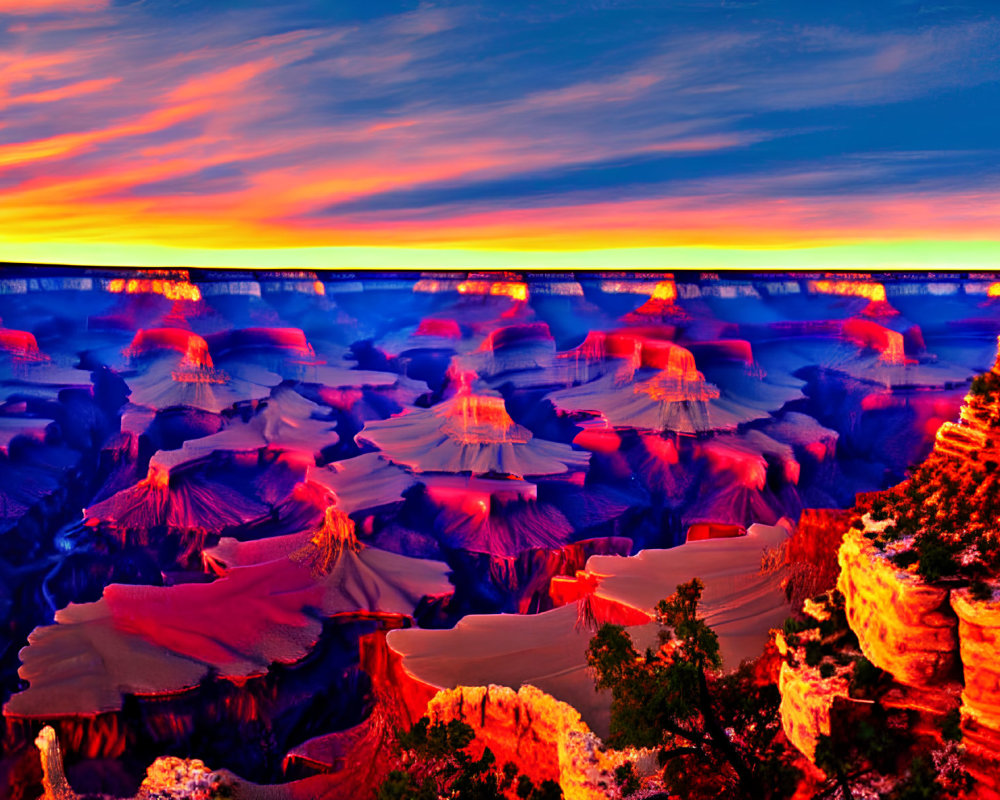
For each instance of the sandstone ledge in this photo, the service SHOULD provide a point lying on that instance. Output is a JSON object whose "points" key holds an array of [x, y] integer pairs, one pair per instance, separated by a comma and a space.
{"points": [[904, 625], [806, 702], [979, 644]]}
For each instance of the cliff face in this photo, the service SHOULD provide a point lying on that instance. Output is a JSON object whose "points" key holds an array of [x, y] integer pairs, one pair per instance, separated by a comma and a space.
{"points": [[926, 636], [806, 705], [544, 737], [400, 694], [905, 626], [979, 648], [807, 698]]}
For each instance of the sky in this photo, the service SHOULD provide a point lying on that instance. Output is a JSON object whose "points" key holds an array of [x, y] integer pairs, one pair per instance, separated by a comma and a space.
{"points": [[556, 133]]}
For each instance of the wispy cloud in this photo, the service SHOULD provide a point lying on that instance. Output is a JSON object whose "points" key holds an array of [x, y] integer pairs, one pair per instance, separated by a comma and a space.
{"points": [[447, 123], [75, 89]]}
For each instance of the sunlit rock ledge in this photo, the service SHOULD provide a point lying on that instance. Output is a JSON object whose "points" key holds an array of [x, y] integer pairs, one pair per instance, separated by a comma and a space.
{"points": [[928, 637], [979, 647], [544, 737], [905, 625]]}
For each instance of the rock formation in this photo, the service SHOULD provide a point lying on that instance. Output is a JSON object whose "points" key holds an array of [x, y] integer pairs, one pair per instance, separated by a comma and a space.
{"points": [[544, 737], [979, 647], [905, 625]]}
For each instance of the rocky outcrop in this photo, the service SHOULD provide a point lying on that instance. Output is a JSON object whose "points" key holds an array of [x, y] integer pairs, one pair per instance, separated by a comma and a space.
{"points": [[400, 693], [928, 637], [544, 737], [527, 578], [979, 646], [806, 704], [807, 700], [904, 625], [169, 778]]}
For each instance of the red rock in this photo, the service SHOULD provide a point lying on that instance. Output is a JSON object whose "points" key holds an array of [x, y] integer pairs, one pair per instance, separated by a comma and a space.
{"points": [[714, 530]]}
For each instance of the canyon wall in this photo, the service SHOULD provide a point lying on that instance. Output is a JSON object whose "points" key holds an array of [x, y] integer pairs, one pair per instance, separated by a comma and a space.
{"points": [[928, 638], [905, 626], [812, 551], [979, 648]]}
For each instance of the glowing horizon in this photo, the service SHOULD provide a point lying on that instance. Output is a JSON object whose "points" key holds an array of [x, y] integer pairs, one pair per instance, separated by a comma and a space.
{"points": [[938, 256]]}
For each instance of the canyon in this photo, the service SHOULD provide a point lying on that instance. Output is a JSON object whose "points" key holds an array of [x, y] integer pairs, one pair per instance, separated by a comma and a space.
{"points": [[260, 522]]}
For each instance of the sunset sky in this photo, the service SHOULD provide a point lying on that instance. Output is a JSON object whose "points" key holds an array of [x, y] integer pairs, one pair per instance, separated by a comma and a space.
{"points": [[556, 133]]}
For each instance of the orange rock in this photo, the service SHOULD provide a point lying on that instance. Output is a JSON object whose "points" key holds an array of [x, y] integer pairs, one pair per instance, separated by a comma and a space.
{"points": [[904, 625], [544, 737], [806, 703], [979, 645]]}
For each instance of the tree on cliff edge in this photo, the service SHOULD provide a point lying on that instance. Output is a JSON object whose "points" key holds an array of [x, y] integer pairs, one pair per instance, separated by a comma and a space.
{"points": [[714, 732]]}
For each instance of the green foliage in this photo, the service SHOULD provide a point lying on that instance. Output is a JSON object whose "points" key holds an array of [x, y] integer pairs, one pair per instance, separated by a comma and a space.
{"points": [[877, 743], [866, 676], [627, 780], [937, 558], [872, 744], [438, 765], [920, 784], [793, 625], [951, 726], [679, 614], [716, 733], [980, 386], [828, 758], [827, 670], [879, 514], [644, 690], [980, 590]]}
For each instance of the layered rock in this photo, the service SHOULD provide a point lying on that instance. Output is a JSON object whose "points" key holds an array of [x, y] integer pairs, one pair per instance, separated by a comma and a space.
{"points": [[169, 778], [544, 737], [905, 626], [928, 634], [807, 700], [979, 646], [806, 705]]}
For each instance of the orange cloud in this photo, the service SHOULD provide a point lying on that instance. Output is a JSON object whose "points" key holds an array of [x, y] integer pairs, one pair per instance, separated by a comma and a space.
{"points": [[253, 217], [213, 84], [70, 143], [589, 93], [285, 160], [64, 92]]}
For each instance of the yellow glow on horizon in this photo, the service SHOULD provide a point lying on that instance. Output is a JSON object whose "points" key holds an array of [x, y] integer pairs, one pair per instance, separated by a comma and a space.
{"points": [[875, 292], [937, 255]]}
